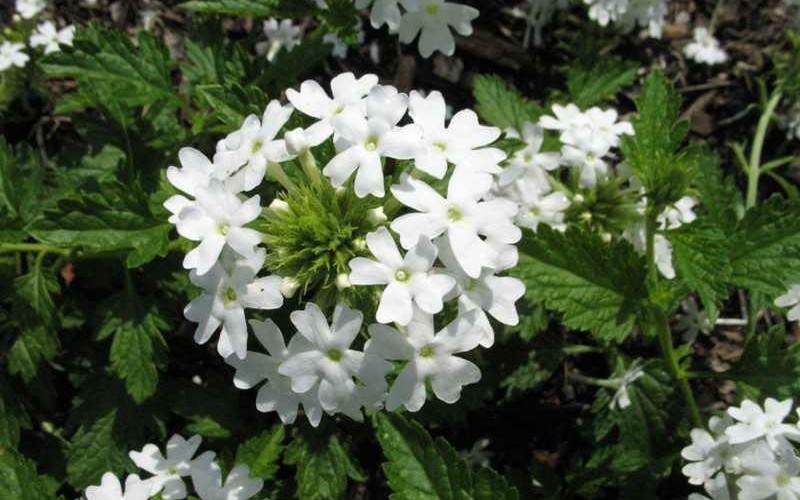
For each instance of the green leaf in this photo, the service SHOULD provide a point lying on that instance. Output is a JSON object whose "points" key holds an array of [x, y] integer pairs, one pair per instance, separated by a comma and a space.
{"points": [[323, 465], [420, 468], [501, 106], [589, 86], [653, 152], [34, 346], [765, 247], [700, 257], [35, 290], [105, 60], [233, 103], [262, 452], [94, 450], [137, 349], [19, 479], [597, 286], [248, 8], [719, 194], [768, 367], [544, 358], [13, 416]]}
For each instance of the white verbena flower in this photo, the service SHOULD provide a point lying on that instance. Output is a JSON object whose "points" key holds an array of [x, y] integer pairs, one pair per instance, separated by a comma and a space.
{"points": [[47, 36], [461, 142], [348, 93], [791, 299], [363, 141], [228, 288], [408, 279], [12, 54], [432, 19], [530, 163], [253, 146], [705, 49], [326, 360], [753, 422], [705, 454], [382, 12], [283, 34], [216, 219], [207, 480], [29, 9], [680, 213], [167, 471], [778, 478], [430, 358], [276, 393], [339, 49], [462, 217], [111, 489], [537, 207], [621, 398]]}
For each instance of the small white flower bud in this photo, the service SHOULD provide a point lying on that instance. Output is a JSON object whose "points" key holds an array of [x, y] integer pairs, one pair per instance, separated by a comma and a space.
{"points": [[279, 205], [196, 380], [289, 287], [296, 141], [360, 244], [343, 281], [579, 198], [376, 216], [606, 237]]}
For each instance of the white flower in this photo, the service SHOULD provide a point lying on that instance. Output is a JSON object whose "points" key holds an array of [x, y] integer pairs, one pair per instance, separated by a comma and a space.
{"points": [[48, 37], [621, 398], [430, 358], [680, 213], [11, 54], [705, 49], [461, 216], [433, 18], [340, 48], [283, 34], [461, 142], [590, 162], [493, 294], [566, 118], [348, 93], [111, 489], [167, 471], [706, 454], [363, 141], [662, 249], [408, 279], [230, 287], [30, 8], [382, 12], [791, 299], [605, 128], [276, 394], [207, 480], [755, 422], [253, 146], [216, 220], [541, 208], [326, 359], [529, 163], [778, 478], [692, 321], [630, 13]]}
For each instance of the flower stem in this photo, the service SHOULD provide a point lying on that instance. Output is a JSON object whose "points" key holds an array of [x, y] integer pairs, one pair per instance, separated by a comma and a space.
{"points": [[597, 382], [309, 164], [34, 247], [277, 173], [754, 166]]}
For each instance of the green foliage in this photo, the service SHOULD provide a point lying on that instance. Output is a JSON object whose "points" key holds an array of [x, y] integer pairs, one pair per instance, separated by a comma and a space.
{"points": [[606, 208], [768, 367], [13, 417], [19, 479], [420, 468], [765, 247], [590, 86], [502, 106], [544, 358], [787, 65], [597, 286], [323, 464], [262, 452], [254, 8], [653, 153]]}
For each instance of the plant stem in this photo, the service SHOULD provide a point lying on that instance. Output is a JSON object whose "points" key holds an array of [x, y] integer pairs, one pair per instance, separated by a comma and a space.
{"points": [[658, 321], [34, 247], [754, 167], [309, 164], [598, 382], [571, 350], [277, 172]]}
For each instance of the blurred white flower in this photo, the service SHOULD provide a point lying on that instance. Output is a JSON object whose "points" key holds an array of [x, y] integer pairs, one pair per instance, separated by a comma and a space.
{"points": [[280, 35], [705, 49], [29, 9], [791, 299], [12, 54], [47, 36], [167, 471], [208, 484], [432, 20], [111, 489]]}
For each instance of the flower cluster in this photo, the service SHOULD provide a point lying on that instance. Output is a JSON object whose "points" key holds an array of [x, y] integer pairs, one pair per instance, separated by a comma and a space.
{"points": [[430, 19], [628, 14], [168, 473], [705, 49], [328, 241], [747, 455], [47, 36]]}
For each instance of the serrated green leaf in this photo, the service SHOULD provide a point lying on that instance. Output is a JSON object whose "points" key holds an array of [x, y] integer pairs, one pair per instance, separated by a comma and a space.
{"points": [[544, 358], [233, 103], [501, 106], [262, 452], [323, 465], [94, 450], [597, 286], [35, 345], [768, 367], [35, 290], [248, 8], [19, 479], [589, 86], [420, 468], [765, 247], [652, 153], [700, 257], [719, 195], [13, 416]]}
